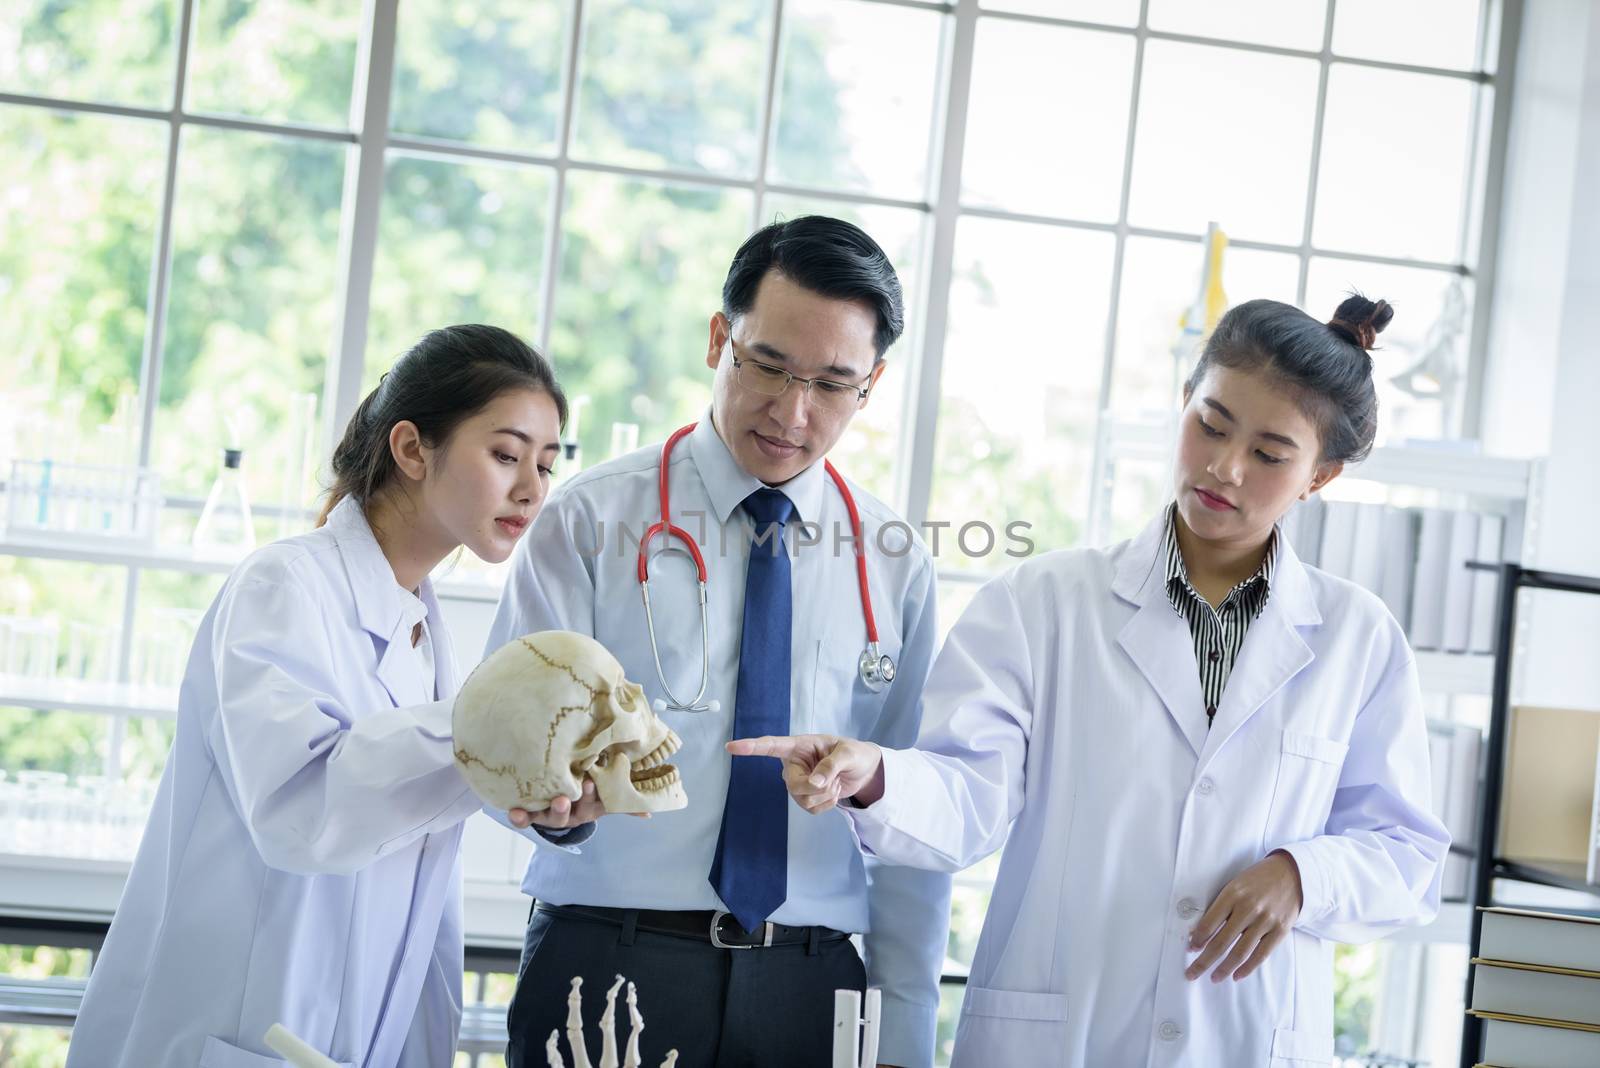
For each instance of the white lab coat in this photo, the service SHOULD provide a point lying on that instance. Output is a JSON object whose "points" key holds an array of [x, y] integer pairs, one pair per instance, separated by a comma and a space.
{"points": [[1065, 709], [301, 861]]}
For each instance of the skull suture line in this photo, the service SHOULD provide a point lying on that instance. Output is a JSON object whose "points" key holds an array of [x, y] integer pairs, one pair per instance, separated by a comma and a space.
{"points": [[547, 709]]}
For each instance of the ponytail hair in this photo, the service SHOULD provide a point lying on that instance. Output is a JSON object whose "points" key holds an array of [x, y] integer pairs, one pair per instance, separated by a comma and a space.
{"points": [[1327, 364], [442, 380]]}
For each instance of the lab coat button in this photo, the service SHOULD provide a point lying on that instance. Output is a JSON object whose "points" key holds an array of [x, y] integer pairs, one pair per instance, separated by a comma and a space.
{"points": [[1187, 907], [1169, 1031], [1204, 786]]}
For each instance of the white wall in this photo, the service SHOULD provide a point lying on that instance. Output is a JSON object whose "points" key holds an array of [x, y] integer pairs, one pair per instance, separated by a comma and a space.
{"points": [[1542, 383]]}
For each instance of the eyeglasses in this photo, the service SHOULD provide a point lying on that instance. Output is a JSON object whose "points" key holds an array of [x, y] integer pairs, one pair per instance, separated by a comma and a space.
{"points": [[770, 381]]}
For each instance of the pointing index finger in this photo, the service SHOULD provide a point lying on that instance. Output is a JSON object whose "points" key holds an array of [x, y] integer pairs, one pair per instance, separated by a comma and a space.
{"points": [[771, 745]]}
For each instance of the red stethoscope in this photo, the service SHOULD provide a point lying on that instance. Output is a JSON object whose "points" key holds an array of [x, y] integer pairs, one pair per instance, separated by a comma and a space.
{"points": [[876, 668]]}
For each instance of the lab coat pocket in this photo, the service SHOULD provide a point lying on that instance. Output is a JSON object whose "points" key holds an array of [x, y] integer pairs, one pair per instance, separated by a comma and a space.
{"points": [[1011, 1026], [219, 1054], [1308, 774], [1301, 1049]]}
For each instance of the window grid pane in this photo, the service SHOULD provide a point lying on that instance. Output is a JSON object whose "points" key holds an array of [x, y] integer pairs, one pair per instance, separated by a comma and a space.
{"points": [[1363, 204], [489, 74], [852, 115], [1070, 164], [83, 52], [274, 60], [1223, 135], [673, 85], [458, 242]]}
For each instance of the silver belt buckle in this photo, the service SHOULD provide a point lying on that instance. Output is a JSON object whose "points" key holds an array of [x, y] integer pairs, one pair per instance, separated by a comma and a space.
{"points": [[716, 934]]}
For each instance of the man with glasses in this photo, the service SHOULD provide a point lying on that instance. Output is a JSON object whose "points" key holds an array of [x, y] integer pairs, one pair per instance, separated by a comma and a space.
{"points": [[733, 916]]}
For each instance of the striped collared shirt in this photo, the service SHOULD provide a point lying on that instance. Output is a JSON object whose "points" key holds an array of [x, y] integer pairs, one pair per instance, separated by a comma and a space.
{"points": [[1219, 632]]}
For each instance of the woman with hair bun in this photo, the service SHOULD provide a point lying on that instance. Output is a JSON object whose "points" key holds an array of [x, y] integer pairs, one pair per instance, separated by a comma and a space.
{"points": [[302, 861], [1206, 760]]}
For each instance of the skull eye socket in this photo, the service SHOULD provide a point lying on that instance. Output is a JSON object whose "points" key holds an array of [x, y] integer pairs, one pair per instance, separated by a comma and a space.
{"points": [[625, 698]]}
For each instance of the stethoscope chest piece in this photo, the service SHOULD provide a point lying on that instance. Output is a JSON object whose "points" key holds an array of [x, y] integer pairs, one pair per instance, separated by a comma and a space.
{"points": [[877, 669]]}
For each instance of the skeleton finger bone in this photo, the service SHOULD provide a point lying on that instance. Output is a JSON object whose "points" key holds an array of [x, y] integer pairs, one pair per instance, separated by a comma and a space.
{"points": [[608, 1027], [636, 1027], [580, 1053]]}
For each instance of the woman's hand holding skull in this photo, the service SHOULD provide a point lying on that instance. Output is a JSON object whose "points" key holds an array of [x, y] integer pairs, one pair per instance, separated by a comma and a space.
{"points": [[565, 813]]}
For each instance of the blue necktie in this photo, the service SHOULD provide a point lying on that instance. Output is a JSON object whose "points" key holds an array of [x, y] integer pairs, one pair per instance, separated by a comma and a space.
{"points": [[751, 869]]}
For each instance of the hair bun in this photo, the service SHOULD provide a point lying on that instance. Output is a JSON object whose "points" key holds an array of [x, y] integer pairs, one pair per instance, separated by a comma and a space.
{"points": [[1361, 320]]}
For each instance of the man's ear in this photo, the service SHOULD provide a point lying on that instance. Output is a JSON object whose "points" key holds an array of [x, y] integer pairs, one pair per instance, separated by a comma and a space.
{"points": [[408, 451], [1326, 473], [872, 382], [720, 329]]}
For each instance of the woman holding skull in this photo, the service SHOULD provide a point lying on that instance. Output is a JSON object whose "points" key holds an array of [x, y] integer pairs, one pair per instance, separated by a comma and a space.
{"points": [[301, 864]]}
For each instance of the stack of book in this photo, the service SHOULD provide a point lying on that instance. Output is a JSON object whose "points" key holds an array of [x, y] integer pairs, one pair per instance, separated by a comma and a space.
{"points": [[1536, 986]]}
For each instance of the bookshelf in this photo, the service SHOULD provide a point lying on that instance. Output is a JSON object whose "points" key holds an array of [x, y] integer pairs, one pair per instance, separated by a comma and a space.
{"points": [[1490, 864]]}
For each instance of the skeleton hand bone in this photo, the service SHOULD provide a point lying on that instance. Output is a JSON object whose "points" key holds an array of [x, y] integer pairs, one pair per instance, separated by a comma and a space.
{"points": [[608, 1036]]}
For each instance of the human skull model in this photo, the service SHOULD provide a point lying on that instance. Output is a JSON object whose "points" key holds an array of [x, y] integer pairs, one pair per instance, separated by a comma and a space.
{"points": [[546, 710]]}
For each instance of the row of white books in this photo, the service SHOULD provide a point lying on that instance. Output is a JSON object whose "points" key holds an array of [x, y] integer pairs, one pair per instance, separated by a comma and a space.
{"points": [[1415, 559], [1592, 872], [1536, 986], [1453, 754]]}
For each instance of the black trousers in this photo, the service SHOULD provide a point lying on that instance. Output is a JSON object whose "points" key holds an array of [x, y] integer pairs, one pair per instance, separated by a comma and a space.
{"points": [[719, 1008]]}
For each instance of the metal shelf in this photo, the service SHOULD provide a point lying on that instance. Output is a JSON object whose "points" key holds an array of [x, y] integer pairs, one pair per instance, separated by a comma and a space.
{"points": [[1564, 876], [43, 890], [55, 1002], [1457, 472], [156, 557], [109, 699], [167, 558], [453, 589]]}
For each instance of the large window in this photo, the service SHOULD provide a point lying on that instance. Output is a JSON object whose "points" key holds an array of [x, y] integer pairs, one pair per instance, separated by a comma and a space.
{"points": [[221, 220], [1335, 148]]}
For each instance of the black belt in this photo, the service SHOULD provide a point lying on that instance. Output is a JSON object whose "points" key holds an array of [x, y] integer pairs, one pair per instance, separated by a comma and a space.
{"points": [[718, 928]]}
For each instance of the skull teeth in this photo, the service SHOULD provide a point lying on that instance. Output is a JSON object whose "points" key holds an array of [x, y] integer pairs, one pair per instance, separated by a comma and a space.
{"points": [[659, 754], [663, 778]]}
